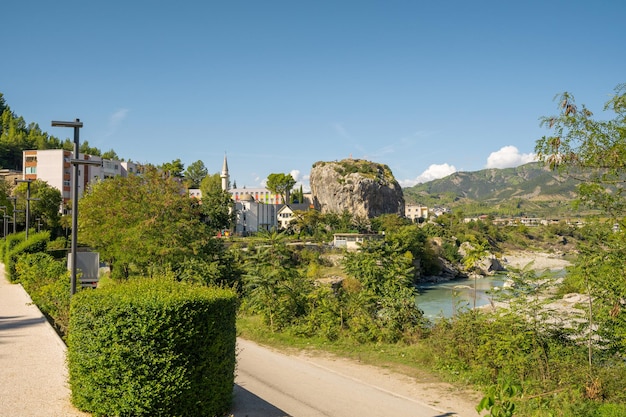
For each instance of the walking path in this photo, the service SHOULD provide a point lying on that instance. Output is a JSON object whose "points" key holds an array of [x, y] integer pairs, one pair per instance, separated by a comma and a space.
{"points": [[33, 372]]}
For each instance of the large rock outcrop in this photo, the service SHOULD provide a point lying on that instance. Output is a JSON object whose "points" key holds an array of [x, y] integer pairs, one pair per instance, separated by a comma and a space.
{"points": [[363, 188]]}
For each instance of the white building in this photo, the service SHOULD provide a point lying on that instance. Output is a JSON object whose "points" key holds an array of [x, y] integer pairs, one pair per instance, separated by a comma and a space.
{"points": [[286, 213], [53, 166], [353, 241], [253, 216]]}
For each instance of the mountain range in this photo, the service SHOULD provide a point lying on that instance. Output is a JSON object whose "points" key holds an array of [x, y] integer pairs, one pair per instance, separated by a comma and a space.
{"points": [[530, 190]]}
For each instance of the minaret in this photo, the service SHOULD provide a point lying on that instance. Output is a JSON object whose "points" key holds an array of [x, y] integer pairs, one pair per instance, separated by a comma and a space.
{"points": [[225, 177]]}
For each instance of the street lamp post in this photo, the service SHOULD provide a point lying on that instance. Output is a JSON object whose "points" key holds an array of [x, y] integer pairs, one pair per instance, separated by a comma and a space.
{"points": [[75, 161], [27, 202], [77, 124], [14, 201], [4, 221]]}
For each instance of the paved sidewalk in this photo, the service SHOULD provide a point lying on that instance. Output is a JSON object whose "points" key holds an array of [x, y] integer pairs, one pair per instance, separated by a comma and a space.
{"points": [[33, 373]]}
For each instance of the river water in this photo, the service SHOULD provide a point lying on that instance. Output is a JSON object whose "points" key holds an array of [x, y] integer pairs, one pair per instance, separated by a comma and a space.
{"points": [[446, 298]]}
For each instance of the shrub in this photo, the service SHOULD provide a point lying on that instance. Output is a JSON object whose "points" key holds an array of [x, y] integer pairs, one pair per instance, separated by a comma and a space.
{"points": [[36, 242], [152, 347], [47, 282], [10, 242]]}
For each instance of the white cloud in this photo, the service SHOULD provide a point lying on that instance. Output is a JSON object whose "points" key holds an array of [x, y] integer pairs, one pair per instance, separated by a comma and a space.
{"points": [[509, 157], [115, 120], [433, 172], [295, 174], [118, 117], [301, 180]]}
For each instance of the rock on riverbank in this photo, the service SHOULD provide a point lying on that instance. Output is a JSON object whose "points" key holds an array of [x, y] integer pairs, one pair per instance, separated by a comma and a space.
{"points": [[540, 260]]}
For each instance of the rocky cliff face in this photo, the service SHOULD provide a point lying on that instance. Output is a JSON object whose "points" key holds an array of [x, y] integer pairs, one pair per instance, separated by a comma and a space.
{"points": [[365, 189]]}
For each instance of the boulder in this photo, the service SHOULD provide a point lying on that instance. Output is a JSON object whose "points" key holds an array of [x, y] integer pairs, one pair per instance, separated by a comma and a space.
{"points": [[363, 188]]}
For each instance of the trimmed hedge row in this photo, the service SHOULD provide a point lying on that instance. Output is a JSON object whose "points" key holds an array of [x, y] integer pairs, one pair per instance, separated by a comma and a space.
{"points": [[152, 347], [47, 281], [17, 245]]}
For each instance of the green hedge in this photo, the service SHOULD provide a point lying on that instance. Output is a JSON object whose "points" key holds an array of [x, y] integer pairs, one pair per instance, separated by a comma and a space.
{"points": [[152, 347], [10, 242], [17, 245], [47, 281]]}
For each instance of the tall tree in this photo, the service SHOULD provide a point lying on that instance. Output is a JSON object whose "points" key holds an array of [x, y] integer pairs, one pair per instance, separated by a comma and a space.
{"points": [[141, 223], [89, 150], [195, 173], [173, 169], [280, 184], [594, 151], [217, 205], [45, 202], [110, 154]]}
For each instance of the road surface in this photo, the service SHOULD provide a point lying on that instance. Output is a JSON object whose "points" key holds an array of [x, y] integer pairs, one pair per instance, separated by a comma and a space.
{"points": [[272, 384]]}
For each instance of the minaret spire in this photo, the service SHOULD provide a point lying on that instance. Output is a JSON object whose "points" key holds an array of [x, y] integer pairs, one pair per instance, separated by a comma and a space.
{"points": [[224, 175]]}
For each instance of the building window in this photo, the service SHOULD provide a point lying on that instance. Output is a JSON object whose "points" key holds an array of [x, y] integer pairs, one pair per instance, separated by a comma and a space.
{"points": [[31, 170]]}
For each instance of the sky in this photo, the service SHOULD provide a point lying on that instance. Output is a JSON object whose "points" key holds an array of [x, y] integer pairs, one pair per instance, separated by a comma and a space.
{"points": [[425, 87]]}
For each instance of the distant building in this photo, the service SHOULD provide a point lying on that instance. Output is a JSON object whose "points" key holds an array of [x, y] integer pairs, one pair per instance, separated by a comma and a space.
{"points": [[253, 216], [352, 241], [53, 166], [10, 175], [286, 213], [415, 212], [257, 209]]}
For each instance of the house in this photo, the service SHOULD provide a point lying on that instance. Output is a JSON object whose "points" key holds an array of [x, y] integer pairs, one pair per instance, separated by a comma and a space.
{"points": [[352, 241], [286, 213], [414, 212]]}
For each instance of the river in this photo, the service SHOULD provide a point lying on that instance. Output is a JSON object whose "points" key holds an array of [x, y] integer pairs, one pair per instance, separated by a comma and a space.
{"points": [[445, 298]]}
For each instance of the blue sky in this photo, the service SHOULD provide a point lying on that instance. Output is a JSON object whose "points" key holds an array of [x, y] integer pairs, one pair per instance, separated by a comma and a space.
{"points": [[426, 87]]}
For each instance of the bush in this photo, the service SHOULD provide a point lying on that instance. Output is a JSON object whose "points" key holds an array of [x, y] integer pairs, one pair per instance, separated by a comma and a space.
{"points": [[152, 347], [16, 247], [47, 281], [10, 242]]}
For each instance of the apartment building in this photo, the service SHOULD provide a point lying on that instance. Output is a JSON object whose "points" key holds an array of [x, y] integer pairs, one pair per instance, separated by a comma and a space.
{"points": [[54, 167]]}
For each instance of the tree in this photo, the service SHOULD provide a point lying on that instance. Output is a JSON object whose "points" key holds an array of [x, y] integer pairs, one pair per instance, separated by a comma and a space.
{"points": [[382, 305], [110, 154], [591, 150], [211, 183], [195, 173], [594, 151], [217, 205], [89, 150], [173, 169], [45, 202], [141, 224], [280, 184], [274, 286]]}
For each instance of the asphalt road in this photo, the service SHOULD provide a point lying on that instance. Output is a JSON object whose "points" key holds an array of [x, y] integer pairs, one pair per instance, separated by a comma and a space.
{"points": [[272, 384]]}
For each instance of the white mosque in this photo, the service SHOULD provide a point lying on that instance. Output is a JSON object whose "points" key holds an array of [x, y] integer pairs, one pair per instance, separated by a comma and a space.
{"points": [[257, 208]]}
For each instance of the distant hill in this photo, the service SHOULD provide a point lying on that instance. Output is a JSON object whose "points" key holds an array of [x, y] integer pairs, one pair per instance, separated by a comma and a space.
{"points": [[529, 190]]}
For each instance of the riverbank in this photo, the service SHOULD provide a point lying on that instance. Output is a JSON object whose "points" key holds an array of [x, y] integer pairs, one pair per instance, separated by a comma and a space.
{"points": [[538, 261]]}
